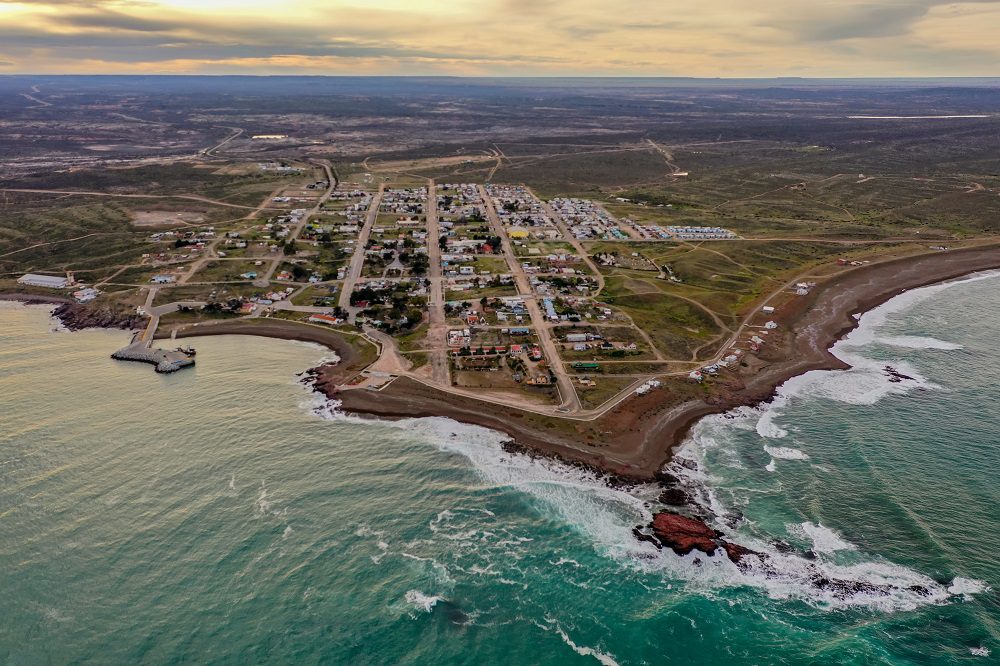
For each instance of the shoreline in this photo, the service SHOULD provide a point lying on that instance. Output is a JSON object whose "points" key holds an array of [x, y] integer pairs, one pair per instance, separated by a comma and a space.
{"points": [[635, 439], [351, 360]]}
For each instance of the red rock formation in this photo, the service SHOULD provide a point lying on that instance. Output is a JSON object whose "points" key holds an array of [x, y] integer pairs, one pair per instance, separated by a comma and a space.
{"points": [[683, 534]]}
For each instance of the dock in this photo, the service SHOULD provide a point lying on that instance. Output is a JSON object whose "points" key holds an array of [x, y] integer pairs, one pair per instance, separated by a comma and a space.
{"points": [[141, 350], [165, 361]]}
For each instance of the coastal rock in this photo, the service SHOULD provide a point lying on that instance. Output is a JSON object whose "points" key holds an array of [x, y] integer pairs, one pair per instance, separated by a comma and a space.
{"points": [[77, 317], [736, 552], [642, 536], [675, 497], [895, 376], [682, 534]]}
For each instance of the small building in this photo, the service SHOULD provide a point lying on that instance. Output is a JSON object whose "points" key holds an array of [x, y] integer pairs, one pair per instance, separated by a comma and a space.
{"points": [[48, 281], [86, 295], [325, 319], [768, 309], [163, 279]]}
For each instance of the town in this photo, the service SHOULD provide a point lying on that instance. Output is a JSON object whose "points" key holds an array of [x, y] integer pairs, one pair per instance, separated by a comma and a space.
{"points": [[481, 289]]}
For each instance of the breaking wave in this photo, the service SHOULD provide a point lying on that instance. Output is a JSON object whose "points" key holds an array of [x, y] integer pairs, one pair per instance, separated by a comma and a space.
{"points": [[825, 570], [425, 602], [785, 453]]}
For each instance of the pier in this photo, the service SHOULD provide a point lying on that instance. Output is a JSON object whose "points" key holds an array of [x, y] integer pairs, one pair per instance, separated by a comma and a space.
{"points": [[165, 361], [140, 349]]}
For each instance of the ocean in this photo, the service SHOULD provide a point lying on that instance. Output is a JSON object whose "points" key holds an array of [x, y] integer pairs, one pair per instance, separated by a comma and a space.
{"points": [[227, 514]]}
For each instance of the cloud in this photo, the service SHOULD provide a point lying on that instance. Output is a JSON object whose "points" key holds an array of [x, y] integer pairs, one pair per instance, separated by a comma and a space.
{"points": [[523, 37], [867, 20]]}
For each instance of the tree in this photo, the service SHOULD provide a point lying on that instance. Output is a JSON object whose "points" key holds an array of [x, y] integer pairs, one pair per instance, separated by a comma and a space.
{"points": [[289, 247]]}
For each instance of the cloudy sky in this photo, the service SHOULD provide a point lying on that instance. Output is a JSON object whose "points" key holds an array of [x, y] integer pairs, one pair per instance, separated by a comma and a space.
{"points": [[504, 37]]}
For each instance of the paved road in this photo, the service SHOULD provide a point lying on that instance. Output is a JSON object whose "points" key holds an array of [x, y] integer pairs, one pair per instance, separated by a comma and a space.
{"points": [[358, 258], [570, 400], [437, 333], [210, 152]]}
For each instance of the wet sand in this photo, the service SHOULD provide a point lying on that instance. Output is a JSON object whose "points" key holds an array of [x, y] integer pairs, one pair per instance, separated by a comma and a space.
{"points": [[636, 438]]}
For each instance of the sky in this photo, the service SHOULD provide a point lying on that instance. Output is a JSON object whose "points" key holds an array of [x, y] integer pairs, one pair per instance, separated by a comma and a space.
{"points": [[703, 38]]}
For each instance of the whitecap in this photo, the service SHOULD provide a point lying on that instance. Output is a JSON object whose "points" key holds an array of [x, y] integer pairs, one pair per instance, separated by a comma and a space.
{"points": [[421, 600], [582, 650], [917, 342], [785, 453], [824, 540], [966, 586], [867, 582], [771, 466], [575, 496], [766, 427], [979, 651]]}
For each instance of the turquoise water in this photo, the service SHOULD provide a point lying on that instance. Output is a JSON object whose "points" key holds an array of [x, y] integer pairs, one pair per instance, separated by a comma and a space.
{"points": [[226, 515]]}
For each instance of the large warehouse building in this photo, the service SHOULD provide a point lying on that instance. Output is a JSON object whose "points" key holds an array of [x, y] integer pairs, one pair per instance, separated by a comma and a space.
{"points": [[50, 281]]}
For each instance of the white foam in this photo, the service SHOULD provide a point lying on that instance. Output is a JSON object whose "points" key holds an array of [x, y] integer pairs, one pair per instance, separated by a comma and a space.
{"points": [[421, 600], [979, 651], [575, 496], [785, 575], [867, 382], [966, 586], [287, 533], [262, 506], [766, 427], [582, 650], [917, 342], [824, 540], [785, 453], [771, 466]]}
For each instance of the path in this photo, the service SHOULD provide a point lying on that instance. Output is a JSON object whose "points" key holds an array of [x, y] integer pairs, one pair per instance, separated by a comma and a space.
{"points": [[358, 258], [437, 332], [570, 400], [189, 197]]}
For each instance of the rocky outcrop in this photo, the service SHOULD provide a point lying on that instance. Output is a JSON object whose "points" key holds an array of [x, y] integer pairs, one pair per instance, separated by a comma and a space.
{"points": [[683, 535], [77, 317]]}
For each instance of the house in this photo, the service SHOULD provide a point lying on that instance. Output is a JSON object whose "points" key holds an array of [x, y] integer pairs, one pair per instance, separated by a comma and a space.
{"points": [[49, 281], [326, 319], [86, 295], [768, 309], [518, 233]]}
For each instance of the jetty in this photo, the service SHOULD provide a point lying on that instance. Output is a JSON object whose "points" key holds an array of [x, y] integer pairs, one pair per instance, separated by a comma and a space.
{"points": [[141, 350]]}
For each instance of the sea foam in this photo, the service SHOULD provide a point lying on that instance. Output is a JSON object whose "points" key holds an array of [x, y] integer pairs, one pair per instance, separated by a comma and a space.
{"points": [[426, 602]]}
